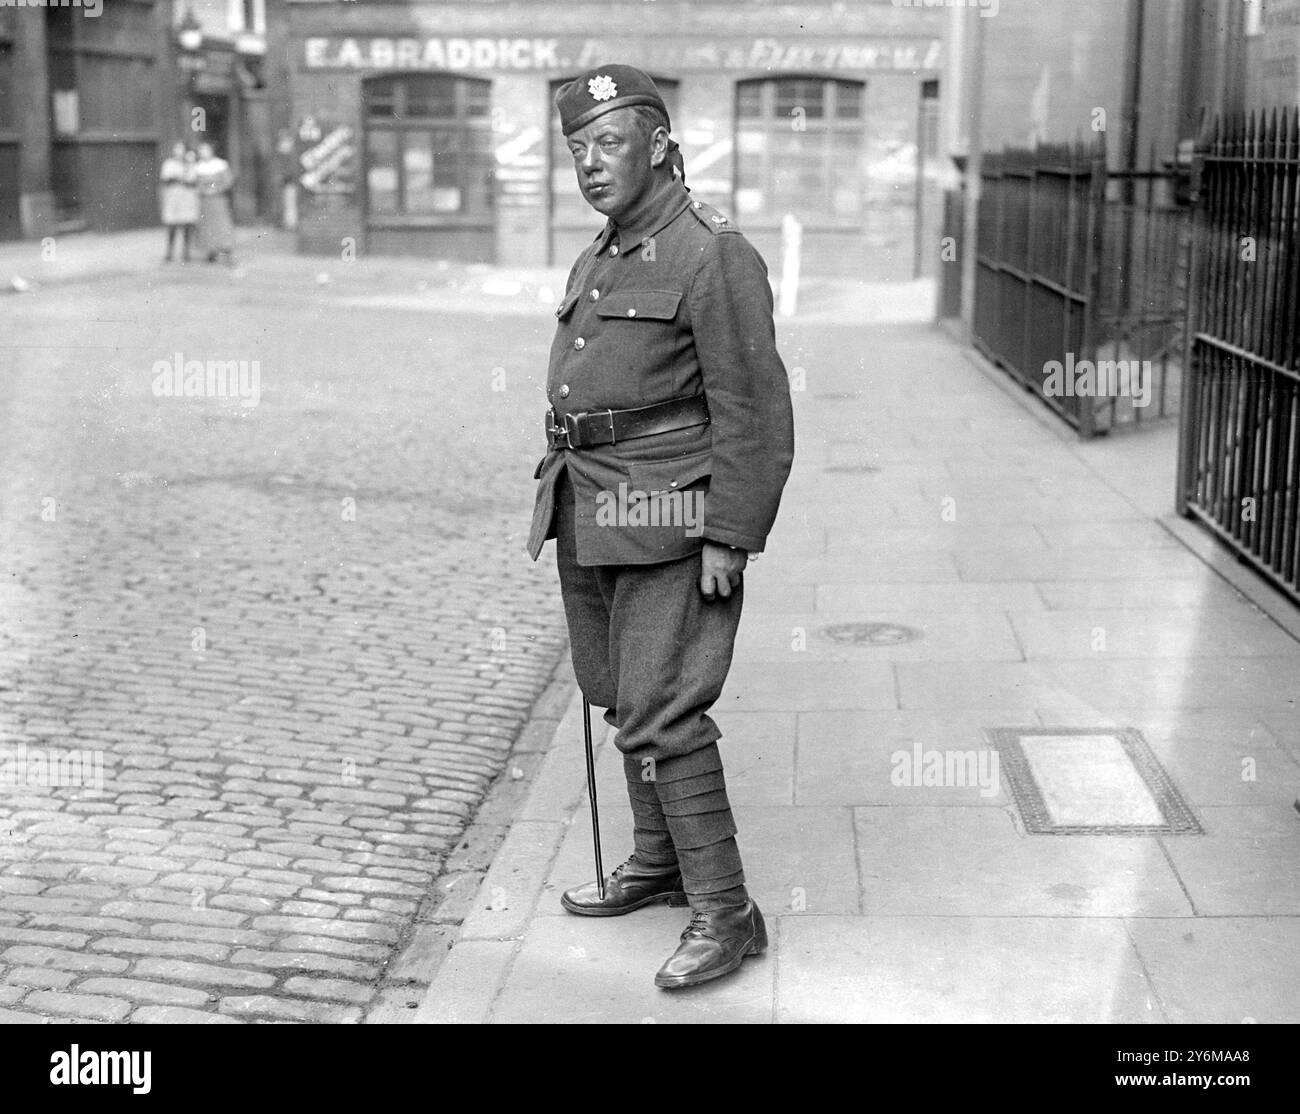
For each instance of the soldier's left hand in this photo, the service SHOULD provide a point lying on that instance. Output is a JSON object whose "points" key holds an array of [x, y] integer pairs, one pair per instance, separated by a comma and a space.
{"points": [[720, 569]]}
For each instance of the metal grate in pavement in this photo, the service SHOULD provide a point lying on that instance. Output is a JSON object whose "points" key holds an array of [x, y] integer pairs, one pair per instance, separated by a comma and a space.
{"points": [[1090, 781], [871, 634]]}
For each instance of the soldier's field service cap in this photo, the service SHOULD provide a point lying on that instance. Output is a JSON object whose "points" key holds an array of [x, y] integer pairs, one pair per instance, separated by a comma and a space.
{"points": [[592, 94]]}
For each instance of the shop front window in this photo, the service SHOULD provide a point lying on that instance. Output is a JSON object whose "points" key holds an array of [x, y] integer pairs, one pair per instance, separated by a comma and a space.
{"points": [[799, 149], [7, 116], [428, 147]]}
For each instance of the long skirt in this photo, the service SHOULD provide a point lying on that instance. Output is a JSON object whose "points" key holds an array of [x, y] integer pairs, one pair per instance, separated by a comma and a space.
{"points": [[216, 229]]}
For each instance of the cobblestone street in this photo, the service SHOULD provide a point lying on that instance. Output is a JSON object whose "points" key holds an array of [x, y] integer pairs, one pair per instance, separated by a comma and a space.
{"points": [[300, 636]]}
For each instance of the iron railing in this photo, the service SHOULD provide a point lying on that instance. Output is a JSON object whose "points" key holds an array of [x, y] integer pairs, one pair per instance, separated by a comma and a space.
{"points": [[1077, 264], [1239, 451], [1140, 309]]}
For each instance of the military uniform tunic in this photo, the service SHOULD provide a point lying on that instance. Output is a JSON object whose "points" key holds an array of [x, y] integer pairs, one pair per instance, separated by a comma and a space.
{"points": [[677, 306]]}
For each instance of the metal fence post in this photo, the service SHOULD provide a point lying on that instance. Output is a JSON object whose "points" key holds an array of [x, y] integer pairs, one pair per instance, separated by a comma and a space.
{"points": [[1189, 402]]}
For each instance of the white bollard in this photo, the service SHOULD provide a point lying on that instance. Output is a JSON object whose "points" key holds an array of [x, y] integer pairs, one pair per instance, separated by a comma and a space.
{"points": [[791, 258]]}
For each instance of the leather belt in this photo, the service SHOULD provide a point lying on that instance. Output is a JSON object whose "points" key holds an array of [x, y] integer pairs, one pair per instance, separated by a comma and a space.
{"points": [[588, 428]]}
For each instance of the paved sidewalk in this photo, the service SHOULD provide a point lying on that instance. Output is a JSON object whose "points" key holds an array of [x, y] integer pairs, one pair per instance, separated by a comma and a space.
{"points": [[1044, 591]]}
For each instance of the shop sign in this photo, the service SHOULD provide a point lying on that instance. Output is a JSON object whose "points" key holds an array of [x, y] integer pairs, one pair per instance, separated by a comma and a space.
{"points": [[327, 157], [568, 54]]}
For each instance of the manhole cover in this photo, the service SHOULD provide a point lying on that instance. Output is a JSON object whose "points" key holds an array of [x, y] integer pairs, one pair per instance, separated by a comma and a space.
{"points": [[1090, 781], [871, 634], [853, 469]]}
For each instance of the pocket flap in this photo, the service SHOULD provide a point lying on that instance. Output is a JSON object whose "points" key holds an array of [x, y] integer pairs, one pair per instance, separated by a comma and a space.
{"points": [[653, 476], [657, 305], [563, 309]]}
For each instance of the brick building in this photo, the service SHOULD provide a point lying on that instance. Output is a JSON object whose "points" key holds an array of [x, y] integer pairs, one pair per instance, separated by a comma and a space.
{"points": [[428, 128], [80, 109], [1049, 66], [1272, 33], [92, 94]]}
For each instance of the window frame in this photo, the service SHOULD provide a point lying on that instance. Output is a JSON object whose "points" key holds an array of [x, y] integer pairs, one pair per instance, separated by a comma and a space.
{"points": [[8, 84], [828, 125], [478, 153]]}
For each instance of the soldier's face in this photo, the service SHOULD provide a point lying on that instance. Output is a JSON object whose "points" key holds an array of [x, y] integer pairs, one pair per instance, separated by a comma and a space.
{"points": [[615, 162]]}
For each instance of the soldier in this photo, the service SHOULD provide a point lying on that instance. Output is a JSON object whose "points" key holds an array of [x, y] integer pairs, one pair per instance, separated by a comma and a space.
{"points": [[670, 437]]}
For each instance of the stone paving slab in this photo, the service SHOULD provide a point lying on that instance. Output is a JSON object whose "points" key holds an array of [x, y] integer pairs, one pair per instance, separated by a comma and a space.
{"points": [[1221, 970], [1245, 864], [851, 541], [1145, 633], [960, 970], [595, 970], [1126, 534], [892, 568], [1233, 682], [862, 757], [1201, 592], [1080, 563], [927, 599], [927, 861], [809, 686]]}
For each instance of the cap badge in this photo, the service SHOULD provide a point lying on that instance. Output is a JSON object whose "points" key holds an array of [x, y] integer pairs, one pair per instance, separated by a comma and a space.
{"points": [[602, 87]]}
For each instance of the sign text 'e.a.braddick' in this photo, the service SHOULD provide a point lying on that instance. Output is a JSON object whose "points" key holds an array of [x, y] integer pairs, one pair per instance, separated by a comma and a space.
{"points": [[563, 54]]}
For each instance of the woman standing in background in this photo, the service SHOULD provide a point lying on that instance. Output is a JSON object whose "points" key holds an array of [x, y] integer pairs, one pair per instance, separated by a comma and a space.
{"points": [[179, 199], [216, 228]]}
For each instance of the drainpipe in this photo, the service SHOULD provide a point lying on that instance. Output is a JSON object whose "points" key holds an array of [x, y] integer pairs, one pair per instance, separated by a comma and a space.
{"points": [[974, 165], [1131, 112]]}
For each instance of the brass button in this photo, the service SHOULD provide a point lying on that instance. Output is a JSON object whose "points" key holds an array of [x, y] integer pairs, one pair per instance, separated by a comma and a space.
{"points": [[672, 483], [631, 313], [580, 344], [613, 249], [564, 390], [698, 205], [595, 294]]}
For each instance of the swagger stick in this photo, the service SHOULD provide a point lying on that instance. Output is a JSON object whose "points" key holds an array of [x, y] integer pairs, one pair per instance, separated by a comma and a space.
{"points": [[591, 792]]}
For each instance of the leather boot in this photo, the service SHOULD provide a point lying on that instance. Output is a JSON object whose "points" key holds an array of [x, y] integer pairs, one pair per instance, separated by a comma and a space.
{"points": [[631, 886], [714, 944]]}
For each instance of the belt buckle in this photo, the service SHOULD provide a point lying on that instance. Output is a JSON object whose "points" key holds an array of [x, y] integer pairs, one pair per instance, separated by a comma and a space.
{"points": [[558, 435], [573, 431]]}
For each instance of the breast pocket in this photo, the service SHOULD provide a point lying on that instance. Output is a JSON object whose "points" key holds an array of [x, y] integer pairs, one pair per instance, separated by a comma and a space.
{"points": [[640, 305]]}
